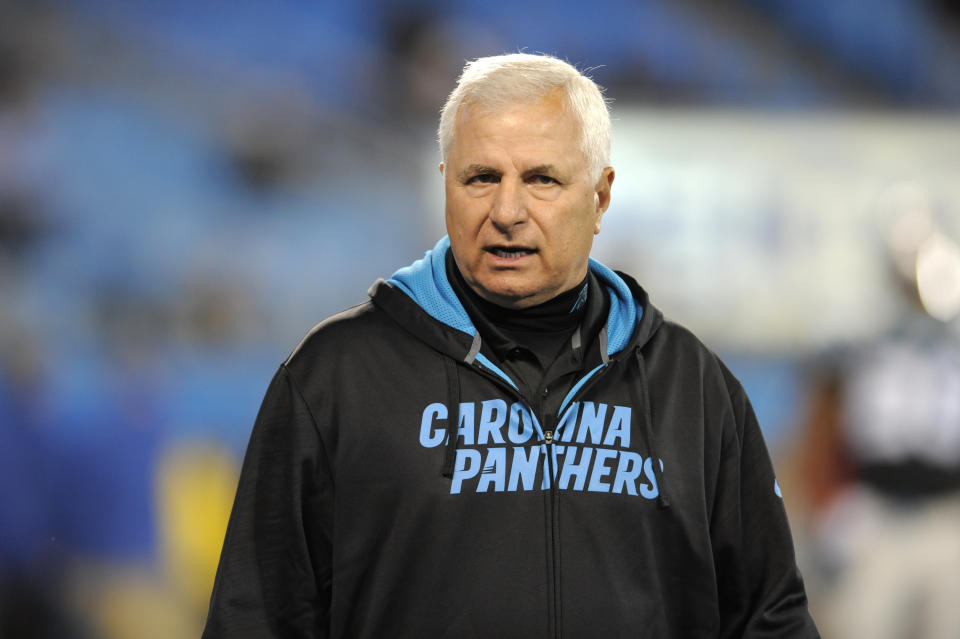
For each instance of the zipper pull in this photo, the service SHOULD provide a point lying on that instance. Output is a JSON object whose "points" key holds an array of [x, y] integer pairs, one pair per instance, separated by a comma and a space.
{"points": [[548, 437]]}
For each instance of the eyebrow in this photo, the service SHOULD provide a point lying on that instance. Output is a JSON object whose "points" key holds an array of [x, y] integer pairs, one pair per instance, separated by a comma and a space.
{"points": [[481, 169], [548, 169]]}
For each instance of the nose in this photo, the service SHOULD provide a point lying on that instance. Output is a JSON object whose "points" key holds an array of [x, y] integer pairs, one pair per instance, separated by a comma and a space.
{"points": [[508, 207]]}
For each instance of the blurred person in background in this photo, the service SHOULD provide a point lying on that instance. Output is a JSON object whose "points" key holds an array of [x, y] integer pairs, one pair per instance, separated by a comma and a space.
{"points": [[508, 439], [881, 457]]}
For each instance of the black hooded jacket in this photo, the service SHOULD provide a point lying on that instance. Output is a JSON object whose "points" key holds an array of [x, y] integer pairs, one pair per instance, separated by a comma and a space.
{"points": [[633, 498]]}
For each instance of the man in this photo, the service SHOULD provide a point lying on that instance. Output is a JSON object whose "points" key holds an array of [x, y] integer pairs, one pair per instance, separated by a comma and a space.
{"points": [[507, 440]]}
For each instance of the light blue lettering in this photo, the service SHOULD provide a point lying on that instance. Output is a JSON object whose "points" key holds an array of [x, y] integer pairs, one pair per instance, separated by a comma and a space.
{"points": [[573, 468], [518, 413], [494, 470], [600, 470], [524, 467], [465, 428], [493, 415], [556, 452], [619, 428], [464, 470], [650, 490], [591, 421], [430, 437], [628, 470]]}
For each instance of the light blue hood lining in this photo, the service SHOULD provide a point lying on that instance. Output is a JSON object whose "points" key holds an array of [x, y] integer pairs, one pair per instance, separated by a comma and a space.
{"points": [[425, 282]]}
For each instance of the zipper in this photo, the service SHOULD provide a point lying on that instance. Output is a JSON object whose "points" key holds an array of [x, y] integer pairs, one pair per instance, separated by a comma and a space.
{"points": [[548, 439], [553, 587], [554, 518], [548, 423], [554, 538]]}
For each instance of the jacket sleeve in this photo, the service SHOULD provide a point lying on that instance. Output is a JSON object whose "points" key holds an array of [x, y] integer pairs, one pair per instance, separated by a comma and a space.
{"points": [[761, 590], [274, 574]]}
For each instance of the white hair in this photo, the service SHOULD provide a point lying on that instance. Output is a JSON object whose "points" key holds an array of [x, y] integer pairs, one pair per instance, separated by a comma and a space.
{"points": [[497, 82]]}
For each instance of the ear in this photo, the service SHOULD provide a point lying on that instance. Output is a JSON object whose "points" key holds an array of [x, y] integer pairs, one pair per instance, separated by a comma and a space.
{"points": [[602, 195], [440, 166]]}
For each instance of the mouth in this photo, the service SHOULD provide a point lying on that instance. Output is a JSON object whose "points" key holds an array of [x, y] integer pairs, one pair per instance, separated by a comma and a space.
{"points": [[510, 252]]}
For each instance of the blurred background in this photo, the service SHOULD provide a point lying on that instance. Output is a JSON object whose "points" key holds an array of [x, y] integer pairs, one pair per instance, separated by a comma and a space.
{"points": [[187, 187]]}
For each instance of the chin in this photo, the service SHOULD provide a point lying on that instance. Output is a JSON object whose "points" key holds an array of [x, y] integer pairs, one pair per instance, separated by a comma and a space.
{"points": [[511, 297], [505, 287]]}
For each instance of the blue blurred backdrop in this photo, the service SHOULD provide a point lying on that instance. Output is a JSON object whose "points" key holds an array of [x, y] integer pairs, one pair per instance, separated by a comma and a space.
{"points": [[187, 187]]}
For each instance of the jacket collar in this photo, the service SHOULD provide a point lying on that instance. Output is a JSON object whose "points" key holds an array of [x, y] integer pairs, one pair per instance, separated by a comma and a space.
{"points": [[630, 317]]}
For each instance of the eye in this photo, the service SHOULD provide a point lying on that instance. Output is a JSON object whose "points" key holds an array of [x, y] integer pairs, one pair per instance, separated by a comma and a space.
{"points": [[543, 180], [484, 178]]}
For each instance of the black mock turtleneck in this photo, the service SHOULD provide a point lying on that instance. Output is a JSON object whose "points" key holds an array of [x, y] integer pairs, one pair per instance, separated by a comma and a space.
{"points": [[528, 340]]}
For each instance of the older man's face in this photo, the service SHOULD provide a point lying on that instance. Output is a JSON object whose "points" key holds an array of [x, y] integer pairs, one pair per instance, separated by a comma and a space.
{"points": [[521, 208]]}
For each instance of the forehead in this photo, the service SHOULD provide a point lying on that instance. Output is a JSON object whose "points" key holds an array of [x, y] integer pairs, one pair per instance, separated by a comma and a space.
{"points": [[545, 127]]}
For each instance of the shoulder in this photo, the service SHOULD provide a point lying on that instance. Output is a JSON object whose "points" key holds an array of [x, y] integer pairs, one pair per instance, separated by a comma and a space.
{"points": [[684, 356], [343, 335], [678, 344]]}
